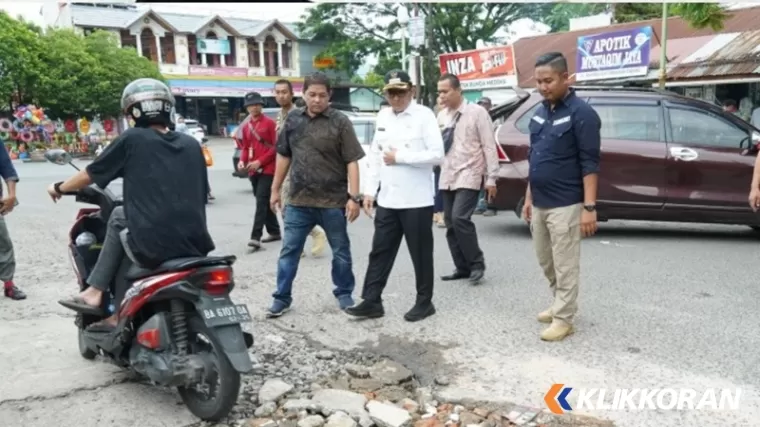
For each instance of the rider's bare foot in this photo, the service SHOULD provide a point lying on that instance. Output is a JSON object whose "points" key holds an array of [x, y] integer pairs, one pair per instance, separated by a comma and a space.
{"points": [[91, 296], [112, 320]]}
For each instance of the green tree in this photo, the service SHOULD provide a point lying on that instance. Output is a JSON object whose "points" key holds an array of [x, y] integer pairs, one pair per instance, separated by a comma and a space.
{"points": [[116, 67], [371, 79], [357, 31], [559, 16], [698, 15], [20, 66], [67, 88], [86, 75], [702, 15]]}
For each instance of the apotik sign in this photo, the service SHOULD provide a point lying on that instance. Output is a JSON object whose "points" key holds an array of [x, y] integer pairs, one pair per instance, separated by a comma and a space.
{"points": [[482, 68]]}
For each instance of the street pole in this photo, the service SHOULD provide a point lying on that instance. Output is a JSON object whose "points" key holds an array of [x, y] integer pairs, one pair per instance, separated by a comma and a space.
{"points": [[664, 46], [431, 60], [404, 64], [417, 63]]}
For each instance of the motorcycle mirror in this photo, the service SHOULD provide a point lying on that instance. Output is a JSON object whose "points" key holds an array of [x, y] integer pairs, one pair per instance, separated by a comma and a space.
{"points": [[58, 156]]}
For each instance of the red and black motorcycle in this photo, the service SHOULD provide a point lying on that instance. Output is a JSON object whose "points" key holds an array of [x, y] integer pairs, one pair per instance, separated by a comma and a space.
{"points": [[177, 324]]}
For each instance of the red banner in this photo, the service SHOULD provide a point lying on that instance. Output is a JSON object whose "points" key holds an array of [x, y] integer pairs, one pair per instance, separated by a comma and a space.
{"points": [[482, 68]]}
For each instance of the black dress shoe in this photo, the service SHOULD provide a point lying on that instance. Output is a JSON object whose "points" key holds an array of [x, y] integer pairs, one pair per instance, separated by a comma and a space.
{"points": [[476, 276], [456, 275], [366, 310], [419, 312]]}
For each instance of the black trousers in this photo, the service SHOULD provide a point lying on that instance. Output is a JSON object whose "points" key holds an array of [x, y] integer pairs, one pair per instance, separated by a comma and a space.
{"points": [[262, 190], [458, 207], [391, 225]]}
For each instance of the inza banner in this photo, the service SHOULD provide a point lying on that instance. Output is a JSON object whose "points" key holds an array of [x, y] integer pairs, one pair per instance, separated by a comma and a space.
{"points": [[613, 55], [481, 68]]}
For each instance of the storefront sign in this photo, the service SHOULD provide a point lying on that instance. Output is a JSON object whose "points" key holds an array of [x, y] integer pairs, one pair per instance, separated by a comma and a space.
{"points": [[228, 92], [613, 55], [213, 46], [325, 62], [483, 68], [196, 70]]}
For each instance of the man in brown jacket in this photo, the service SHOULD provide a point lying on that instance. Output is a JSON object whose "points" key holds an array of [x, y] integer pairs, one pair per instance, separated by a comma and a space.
{"points": [[283, 92]]}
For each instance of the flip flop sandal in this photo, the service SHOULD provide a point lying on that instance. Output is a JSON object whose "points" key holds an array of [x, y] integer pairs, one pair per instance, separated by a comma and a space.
{"points": [[101, 327], [80, 306]]}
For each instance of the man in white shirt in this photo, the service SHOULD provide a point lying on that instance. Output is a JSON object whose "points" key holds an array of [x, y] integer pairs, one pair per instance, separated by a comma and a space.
{"points": [[755, 118], [406, 146]]}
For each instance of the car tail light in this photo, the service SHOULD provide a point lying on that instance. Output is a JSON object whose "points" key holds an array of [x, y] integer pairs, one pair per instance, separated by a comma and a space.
{"points": [[503, 158], [217, 281]]}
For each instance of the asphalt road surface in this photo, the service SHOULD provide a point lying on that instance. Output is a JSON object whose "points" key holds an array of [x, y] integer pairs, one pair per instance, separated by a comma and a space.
{"points": [[661, 306]]}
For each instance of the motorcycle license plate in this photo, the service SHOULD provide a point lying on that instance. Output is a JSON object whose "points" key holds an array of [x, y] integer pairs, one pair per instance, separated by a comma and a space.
{"points": [[226, 315]]}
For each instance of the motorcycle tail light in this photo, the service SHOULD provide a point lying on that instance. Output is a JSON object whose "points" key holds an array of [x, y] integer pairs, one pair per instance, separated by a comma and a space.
{"points": [[150, 338], [217, 281]]}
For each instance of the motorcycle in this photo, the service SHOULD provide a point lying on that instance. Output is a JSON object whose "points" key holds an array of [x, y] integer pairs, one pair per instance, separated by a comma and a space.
{"points": [[177, 325]]}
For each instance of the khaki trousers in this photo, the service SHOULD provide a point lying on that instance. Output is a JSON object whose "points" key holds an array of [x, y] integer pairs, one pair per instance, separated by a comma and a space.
{"points": [[557, 240]]}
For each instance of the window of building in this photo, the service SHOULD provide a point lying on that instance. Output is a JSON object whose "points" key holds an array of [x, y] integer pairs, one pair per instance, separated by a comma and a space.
{"points": [[287, 52], [254, 57], [699, 128]]}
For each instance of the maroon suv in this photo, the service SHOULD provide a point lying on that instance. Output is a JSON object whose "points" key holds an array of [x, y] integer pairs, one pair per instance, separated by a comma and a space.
{"points": [[665, 157]]}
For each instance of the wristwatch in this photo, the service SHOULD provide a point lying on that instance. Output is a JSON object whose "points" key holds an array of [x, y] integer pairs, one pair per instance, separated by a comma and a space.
{"points": [[357, 198], [589, 208], [57, 188]]}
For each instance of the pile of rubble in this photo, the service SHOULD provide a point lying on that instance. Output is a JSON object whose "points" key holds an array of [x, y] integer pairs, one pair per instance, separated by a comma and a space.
{"points": [[298, 383], [384, 394]]}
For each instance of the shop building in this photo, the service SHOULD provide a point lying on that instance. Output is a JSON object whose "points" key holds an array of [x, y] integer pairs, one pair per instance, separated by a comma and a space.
{"points": [[210, 62], [701, 63]]}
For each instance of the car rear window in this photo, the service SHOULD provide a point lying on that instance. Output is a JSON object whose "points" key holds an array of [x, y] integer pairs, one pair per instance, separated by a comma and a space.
{"points": [[522, 123]]}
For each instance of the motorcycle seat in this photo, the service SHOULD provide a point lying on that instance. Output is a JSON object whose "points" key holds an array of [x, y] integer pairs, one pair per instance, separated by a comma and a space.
{"points": [[136, 272]]}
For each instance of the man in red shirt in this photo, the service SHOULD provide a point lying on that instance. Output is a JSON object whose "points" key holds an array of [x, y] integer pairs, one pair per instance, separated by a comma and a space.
{"points": [[258, 157]]}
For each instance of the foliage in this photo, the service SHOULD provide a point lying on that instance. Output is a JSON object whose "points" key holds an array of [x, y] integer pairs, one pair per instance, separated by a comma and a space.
{"points": [[371, 79], [20, 66], [64, 72], [358, 31], [698, 15], [702, 15], [117, 67], [559, 16]]}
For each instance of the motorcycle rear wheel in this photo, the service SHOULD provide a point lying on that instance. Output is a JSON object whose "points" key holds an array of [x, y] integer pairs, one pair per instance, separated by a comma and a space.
{"points": [[84, 351], [227, 379]]}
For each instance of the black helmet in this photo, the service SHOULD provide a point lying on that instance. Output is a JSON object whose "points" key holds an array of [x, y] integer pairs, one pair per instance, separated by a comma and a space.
{"points": [[148, 102]]}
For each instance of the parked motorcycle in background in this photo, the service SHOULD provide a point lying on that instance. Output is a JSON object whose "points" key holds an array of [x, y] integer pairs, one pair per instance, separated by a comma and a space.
{"points": [[177, 323]]}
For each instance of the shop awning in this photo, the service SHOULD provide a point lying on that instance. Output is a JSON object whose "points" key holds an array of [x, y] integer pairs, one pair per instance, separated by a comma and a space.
{"points": [[734, 54]]}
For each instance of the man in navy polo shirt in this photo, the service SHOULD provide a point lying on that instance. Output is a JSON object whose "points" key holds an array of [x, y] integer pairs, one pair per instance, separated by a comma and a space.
{"points": [[560, 203]]}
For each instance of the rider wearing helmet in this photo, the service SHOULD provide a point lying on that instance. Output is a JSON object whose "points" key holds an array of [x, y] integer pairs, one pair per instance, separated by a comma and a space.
{"points": [[164, 191]]}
